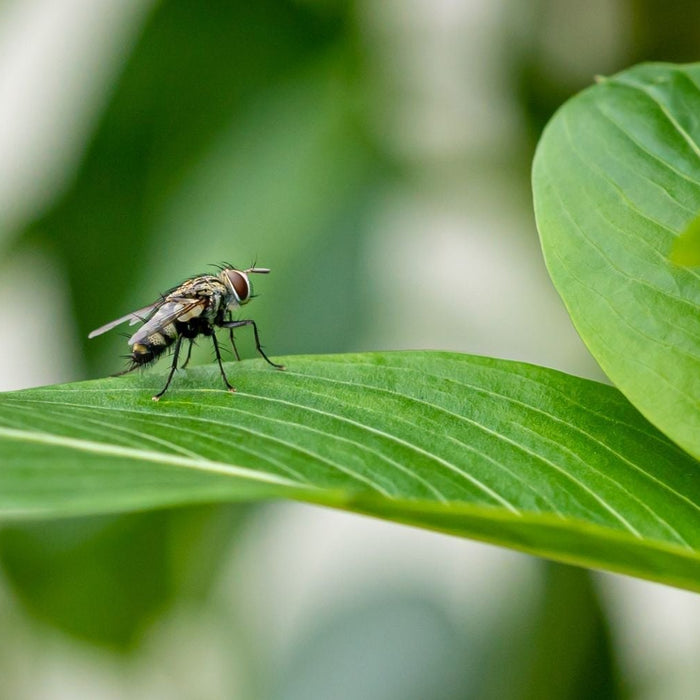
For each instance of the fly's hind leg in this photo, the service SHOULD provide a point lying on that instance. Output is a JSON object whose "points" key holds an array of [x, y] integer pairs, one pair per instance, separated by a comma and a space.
{"points": [[221, 366], [173, 367], [189, 352]]}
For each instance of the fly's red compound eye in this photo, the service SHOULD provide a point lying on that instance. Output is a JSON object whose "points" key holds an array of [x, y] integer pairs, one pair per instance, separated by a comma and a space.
{"points": [[240, 284]]}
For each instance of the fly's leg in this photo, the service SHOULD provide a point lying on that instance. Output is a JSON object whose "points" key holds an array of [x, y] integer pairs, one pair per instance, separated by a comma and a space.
{"points": [[189, 352], [173, 367], [249, 322], [221, 366], [233, 343]]}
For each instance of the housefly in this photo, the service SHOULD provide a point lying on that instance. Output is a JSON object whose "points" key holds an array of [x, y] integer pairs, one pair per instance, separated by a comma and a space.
{"points": [[196, 307]]}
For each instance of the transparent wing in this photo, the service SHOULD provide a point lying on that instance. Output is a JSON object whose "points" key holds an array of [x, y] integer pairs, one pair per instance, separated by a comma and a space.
{"points": [[169, 310], [132, 318]]}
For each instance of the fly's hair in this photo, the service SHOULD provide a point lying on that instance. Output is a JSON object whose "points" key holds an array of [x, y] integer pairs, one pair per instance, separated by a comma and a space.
{"points": [[222, 266]]}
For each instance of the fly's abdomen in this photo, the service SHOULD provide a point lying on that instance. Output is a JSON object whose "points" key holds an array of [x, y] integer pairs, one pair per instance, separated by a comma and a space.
{"points": [[150, 348]]}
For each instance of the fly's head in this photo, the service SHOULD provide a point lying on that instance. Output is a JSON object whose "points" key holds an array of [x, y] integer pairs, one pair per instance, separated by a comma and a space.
{"points": [[238, 284]]}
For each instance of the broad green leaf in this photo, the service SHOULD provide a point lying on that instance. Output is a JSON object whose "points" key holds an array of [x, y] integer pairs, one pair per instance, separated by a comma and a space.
{"points": [[616, 179], [499, 451]]}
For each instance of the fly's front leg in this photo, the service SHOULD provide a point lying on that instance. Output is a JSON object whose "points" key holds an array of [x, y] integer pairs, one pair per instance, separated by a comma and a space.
{"points": [[233, 342], [218, 359], [173, 367], [249, 322]]}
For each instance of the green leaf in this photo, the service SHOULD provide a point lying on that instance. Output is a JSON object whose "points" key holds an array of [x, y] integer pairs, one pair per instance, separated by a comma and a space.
{"points": [[499, 451], [616, 179]]}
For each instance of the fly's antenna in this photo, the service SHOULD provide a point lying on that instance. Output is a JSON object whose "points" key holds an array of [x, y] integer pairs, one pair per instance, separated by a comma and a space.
{"points": [[258, 270]]}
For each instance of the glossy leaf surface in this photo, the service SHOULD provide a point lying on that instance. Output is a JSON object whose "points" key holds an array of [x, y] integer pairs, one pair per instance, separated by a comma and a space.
{"points": [[499, 451]]}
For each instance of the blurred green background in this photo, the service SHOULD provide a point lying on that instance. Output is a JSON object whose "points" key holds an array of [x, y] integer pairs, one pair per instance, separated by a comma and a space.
{"points": [[375, 154]]}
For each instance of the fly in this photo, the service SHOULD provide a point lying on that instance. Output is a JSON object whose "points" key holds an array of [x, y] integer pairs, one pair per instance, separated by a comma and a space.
{"points": [[198, 306]]}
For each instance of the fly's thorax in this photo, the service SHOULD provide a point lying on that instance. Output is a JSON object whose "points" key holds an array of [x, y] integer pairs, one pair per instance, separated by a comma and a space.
{"points": [[212, 294]]}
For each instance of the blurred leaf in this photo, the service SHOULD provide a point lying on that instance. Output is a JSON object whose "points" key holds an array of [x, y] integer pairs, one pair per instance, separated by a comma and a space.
{"points": [[686, 248], [667, 32], [616, 178], [105, 579], [572, 629], [503, 452], [69, 573]]}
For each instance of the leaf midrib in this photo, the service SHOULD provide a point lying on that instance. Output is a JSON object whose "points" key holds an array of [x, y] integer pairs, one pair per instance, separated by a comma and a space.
{"points": [[205, 465]]}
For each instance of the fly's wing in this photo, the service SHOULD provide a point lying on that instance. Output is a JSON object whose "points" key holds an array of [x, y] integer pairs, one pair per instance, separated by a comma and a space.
{"points": [[132, 318], [170, 310]]}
